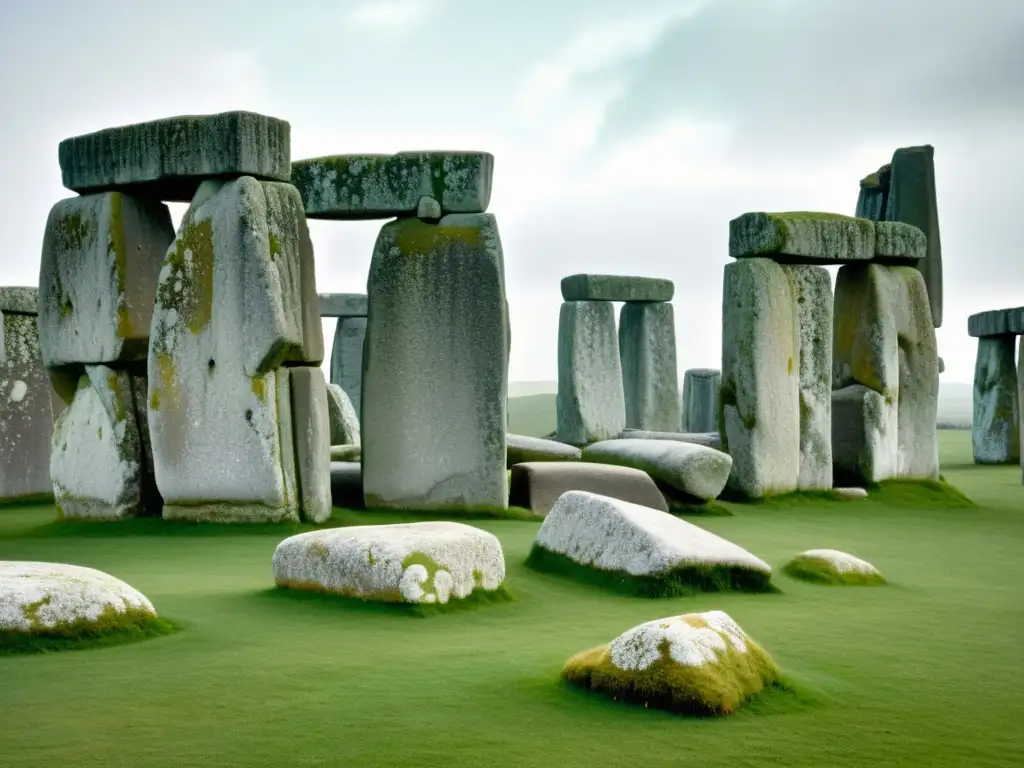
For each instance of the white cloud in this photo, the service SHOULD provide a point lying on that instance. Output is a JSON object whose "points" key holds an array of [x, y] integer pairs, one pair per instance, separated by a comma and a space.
{"points": [[387, 13]]}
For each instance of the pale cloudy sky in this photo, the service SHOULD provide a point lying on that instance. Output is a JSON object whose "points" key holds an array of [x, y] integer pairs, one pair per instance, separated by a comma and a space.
{"points": [[626, 132]]}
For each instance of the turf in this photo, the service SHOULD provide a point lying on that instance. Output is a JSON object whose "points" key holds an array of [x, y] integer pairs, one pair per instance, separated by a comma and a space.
{"points": [[927, 671]]}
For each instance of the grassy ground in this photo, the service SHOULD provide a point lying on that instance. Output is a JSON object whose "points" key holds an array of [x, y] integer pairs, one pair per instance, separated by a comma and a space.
{"points": [[926, 671]]}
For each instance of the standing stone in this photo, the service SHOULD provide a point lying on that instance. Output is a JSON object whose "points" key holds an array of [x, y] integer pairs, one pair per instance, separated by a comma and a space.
{"points": [[347, 358], [97, 278], [647, 350], [1020, 395], [312, 442], [812, 289], [995, 434], [874, 193], [435, 366], [759, 401], [27, 401], [584, 287], [228, 314], [95, 458], [590, 404], [700, 400], [912, 200], [865, 448]]}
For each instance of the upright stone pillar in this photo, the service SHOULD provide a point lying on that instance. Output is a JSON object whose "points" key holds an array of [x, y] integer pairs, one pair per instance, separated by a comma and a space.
{"points": [[435, 366], [349, 335], [647, 351], [700, 399], [995, 434]]}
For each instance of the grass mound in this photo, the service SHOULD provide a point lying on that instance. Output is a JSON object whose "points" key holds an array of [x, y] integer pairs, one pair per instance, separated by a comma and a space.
{"points": [[678, 582], [821, 569], [130, 628]]}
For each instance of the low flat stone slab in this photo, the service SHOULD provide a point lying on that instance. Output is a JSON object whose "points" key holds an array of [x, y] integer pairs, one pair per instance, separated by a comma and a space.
{"points": [[538, 485], [899, 244], [44, 598], [694, 470], [802, 237], [347, 484], [616, 288], [167, 159], [996, 322], [430, 562], [707, 439], [358, 187], [342, 304], [520, 448], [19, 300]]}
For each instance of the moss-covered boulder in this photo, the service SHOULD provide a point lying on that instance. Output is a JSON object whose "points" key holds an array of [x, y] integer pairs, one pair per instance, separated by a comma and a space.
{"points": [[995, 431], [697, 663], [647, 350], [522, 448], [802, 237], [168, 159], [53, 600], [830, 566], [639, 550], [382, 186], [429, 562], [584, 287]]}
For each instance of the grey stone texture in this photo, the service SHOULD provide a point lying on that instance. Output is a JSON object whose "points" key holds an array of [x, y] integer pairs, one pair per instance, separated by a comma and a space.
{"points": [[342, 417], [759, 399], [864, 436], [700, 399], [802, 237], [683, 470], [347, 452], [347, 358], [435, 366], [898, 244], [647, 352], [347, 484], [996, 322], [874, 193], [585, 287], [311, 432], [101, 259], [912, 200], [429, 209], [1020, 394], [709, 439], [537, 485], [19, 300], [342, 304], [812, 291], [590, 404], [521, 448], [358, 187], [28, 404], [168, 159], [995, 435]]}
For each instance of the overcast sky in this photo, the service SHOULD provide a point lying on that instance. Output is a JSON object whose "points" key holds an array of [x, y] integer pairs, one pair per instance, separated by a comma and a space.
{"points": [[626, 132]]}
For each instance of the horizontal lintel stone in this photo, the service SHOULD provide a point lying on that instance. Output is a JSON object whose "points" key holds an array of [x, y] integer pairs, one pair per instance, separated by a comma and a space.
{"points": [[616, 288], [342, 304], [802, 237], [19, 300], [997, 322]]}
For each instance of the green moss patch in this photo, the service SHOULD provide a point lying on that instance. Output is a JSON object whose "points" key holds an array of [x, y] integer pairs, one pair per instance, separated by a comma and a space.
{"points": [[115, 629], [821, 571], [689, 580]]}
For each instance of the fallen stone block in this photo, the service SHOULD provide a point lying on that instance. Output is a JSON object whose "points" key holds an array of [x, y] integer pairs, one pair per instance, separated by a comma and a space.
{"points": [[168, 159], [830, 566], [802, 237], [707, 439], [647, 351], [342, 304], [700, 399], [538, 485], [692, 471], [997, 322], [429, 563], [995, 432], [520, 448], [383, 186], [585, 287]]}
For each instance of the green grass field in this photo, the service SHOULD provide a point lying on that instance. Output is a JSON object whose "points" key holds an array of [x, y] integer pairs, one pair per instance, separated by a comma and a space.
{"points": [[927, 671]]}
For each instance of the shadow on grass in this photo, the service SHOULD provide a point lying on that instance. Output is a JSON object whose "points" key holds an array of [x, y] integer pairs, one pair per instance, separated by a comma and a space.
{"points": [[12, 643], [319, 601]]}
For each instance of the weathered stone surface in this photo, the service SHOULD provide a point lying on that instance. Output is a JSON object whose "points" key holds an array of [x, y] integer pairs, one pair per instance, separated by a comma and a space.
{"points": [[584, 287], [1020, 394], [520, 448], [995, 434], [312, 442], [97, 278], [802, 237], [864, 436], [647, 351], [690, 470], [27, 409], [760, 401], [342, 304], [19, 300], [700, 399], [382, 186], [436, 366], [346, 452], [885, 340], [341, 414], [347, 358], [874, 193], [168, 159], [812, 291], [96, 456], [591, 403], [347, 484], [428, 209], [830, 566], [538, 485], [996, 322], [708, 439], [429, 562], [850, 494], [942, 365], [912, 200], [228, 314], [899, 244]]}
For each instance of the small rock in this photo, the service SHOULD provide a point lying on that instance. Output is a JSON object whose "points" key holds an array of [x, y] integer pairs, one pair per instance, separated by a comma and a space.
{"points": [[428, 208], [830, 566], [850, 494]]}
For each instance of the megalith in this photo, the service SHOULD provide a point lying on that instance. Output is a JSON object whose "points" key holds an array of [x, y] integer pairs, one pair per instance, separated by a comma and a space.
{"points": [[435, 366], [349, 336], [995, 434], [700, 400], [647, 352]]}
